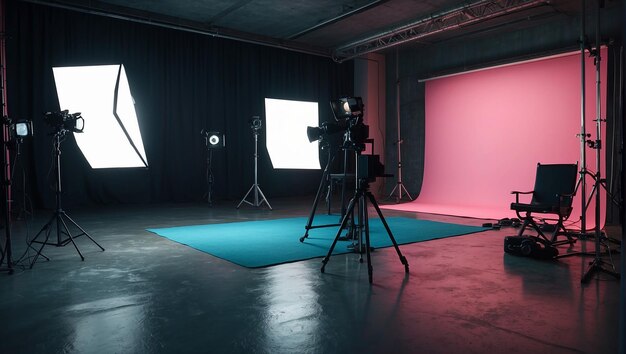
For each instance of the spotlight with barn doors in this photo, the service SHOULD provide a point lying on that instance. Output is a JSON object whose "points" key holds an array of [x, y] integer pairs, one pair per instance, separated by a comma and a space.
{"points": [[62, 123], [347, 108], [65, 121]]}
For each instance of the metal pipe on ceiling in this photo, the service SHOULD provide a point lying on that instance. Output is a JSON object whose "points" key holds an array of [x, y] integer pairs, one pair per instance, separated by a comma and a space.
{"points": [[192, 27], [337, 18]]}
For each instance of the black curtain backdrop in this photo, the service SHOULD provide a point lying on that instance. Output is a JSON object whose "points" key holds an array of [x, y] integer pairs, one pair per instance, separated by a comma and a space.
{"points": [[182, 83]]}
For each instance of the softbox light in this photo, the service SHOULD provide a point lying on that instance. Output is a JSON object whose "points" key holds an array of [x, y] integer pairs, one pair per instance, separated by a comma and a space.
{"points": [[111, 136], [286, 134]]}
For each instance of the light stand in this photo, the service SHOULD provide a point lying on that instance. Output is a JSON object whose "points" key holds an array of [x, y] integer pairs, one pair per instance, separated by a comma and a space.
{"points": [[598, 264], [212, 140], [256, 127], [5, 252], [361, 197], [59, 216], [209, 177], [399, 187]]}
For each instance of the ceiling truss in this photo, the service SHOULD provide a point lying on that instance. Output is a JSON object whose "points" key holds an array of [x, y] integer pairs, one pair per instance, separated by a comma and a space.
{"points": [[468, 14]]}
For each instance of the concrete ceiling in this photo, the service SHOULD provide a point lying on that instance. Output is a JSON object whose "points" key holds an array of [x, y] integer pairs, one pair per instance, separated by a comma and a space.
{"points": [[324, 26]]}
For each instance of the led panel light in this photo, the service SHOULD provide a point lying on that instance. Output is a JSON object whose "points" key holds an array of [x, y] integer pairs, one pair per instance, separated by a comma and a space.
{"points": [[286, 134], [111, 136]]}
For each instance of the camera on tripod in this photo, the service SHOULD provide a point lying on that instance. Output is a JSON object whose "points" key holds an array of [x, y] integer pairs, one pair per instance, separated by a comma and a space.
{"points": [[64, 121]]}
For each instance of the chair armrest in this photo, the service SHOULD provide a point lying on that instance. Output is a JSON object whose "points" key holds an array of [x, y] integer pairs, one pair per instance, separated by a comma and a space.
{"points": [[517, 193], [562, 197]]}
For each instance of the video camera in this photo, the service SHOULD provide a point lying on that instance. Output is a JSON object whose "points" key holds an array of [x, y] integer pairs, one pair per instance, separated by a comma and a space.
{"points": [[348, 113]]}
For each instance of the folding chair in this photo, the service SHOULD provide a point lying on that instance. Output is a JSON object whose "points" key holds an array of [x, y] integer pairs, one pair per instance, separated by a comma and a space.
{"points": [[555, 186]]}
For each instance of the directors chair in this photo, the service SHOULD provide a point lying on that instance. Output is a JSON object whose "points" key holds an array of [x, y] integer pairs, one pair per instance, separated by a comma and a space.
{"points": [[555, 186]]}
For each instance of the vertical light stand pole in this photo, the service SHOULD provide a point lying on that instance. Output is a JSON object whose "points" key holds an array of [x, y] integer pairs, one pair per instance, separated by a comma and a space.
{"points": [[5, 251], [399, 187], [597, 265], [583, 130], [255, 187], [209, 175]]}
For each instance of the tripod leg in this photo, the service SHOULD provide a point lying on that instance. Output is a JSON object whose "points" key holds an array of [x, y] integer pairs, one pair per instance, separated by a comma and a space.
{"points": [[263, 199], [315, 203], [597, 266], [81, 230], [393, 240], [393, 191], [69, 235], [402, 187], [45, 228], [246, 196], [370, 269], [344, 221]]}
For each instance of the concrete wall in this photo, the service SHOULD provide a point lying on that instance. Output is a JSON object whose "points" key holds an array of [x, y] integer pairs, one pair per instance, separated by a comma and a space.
{"points": [[369, 83]]}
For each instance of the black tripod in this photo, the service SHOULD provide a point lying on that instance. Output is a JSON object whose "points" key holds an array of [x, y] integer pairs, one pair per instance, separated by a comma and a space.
{"points": [[362, 195], [323, 184], [59, 216]]}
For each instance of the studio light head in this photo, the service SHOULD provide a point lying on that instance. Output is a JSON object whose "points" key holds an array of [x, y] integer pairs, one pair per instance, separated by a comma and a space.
{"points": [[213, 139], [64, 121], [255, 123], [317, 133], [347, 108], [20, 129]]}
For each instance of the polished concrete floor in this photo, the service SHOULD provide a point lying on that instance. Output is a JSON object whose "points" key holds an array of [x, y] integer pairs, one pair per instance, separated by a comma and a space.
{"points": [[146, 294]]}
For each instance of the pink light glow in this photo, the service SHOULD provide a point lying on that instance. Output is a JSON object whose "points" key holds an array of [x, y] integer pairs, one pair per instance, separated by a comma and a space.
{"points": [[487, 130]]}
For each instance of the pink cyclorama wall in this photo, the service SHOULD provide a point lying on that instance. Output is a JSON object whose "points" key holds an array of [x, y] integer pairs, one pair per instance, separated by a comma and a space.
{"points": [[487, 130]]}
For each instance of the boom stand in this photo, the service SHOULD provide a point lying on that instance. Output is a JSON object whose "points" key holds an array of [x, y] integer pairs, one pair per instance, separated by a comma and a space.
{"points": [[255, 187], [598, 264], [361, 197], [59, 216]]}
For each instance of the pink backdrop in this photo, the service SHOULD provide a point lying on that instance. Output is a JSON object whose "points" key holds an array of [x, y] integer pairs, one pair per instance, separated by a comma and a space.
{"points": [[486, 131]]}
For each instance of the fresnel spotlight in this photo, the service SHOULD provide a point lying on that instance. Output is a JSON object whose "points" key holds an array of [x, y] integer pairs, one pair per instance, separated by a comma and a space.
{"points": [[62, 122], [347, 108], [20, 129]]}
